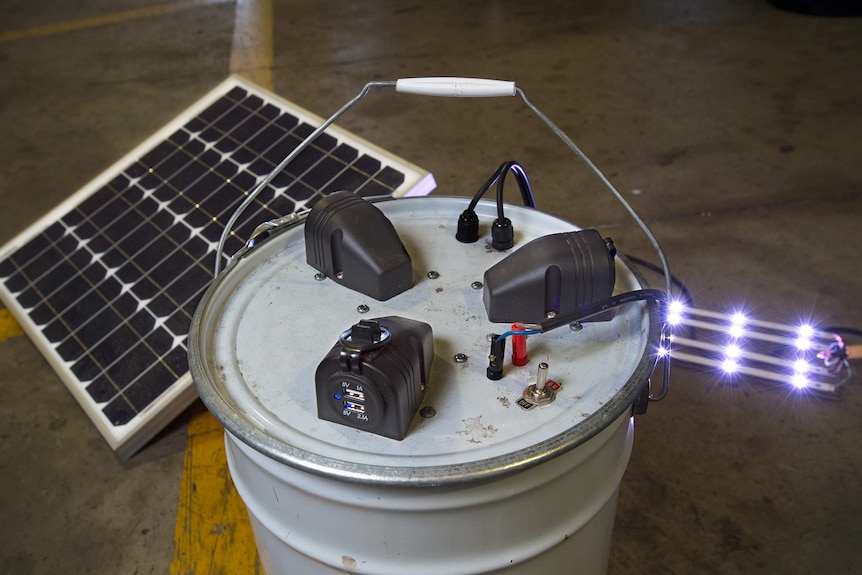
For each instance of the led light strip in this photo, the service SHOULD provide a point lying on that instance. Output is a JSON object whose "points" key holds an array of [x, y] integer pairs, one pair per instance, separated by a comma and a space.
{"points": [[728, 347]]}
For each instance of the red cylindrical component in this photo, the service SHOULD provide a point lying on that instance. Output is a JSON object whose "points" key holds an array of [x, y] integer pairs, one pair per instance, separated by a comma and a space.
{"points": [[519, 347]]}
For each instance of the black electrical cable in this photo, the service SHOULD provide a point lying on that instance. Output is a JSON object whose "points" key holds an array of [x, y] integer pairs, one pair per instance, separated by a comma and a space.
{"points": [[485, 187], [687, 298], [685, 295], [598, 307], [523, 183], [527, 196], [500, 182], [502, 233]]}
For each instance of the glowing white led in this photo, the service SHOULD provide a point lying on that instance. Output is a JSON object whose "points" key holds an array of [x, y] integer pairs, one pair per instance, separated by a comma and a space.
{"points": [[804, 335], [737, 325], [662, 352], [674, 312], [799, 381], [801, 367], [732, 351], [729, 366]]}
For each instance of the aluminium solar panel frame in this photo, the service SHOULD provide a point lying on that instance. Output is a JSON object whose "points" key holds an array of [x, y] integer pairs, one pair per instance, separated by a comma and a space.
{"points": [[127, 439]]}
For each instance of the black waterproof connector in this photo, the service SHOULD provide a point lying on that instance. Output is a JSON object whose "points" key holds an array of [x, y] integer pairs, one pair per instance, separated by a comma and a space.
{"points": [[468, 227], [496, 357], [552, 276], [502, 234], [351, 241]]}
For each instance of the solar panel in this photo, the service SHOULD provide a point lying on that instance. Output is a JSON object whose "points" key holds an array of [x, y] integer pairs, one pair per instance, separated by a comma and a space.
{"points": [[106, 284]]}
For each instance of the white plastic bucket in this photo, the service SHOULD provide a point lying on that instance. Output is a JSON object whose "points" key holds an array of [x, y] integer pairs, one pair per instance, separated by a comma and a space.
{"points": [[483, 486]]}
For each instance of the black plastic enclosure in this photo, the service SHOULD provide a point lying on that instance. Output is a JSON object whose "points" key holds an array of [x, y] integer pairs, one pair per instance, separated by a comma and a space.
{"points": [[374, 379], [551, 275], [355, 245]]}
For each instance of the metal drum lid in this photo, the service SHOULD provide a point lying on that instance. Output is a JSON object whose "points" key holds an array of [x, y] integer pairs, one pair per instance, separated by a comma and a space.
{"points": [[267, 322]]}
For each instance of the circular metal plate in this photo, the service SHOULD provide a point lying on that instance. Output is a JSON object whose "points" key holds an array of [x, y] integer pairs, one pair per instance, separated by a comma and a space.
{"points": [[266, 323]]}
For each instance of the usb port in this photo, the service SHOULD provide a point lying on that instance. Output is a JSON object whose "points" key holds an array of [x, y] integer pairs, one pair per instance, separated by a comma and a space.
{"points": [[354, 407], [353, 394]]}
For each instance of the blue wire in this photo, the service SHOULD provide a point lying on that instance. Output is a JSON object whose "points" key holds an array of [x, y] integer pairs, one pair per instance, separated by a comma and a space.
{"points": [[517, 332]]}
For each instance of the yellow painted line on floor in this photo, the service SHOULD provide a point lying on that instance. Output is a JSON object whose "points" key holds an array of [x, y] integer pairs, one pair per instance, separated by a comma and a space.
{"points": [[251, 52], [213, 533], [103, 20], [9, 328]]}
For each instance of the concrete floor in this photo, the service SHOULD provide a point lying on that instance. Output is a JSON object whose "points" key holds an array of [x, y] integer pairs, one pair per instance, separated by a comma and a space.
{"points": [[740, 124]]}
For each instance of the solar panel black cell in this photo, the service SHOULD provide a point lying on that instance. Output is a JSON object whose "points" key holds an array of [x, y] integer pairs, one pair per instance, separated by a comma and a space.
{"points": [[102, 390], [372, 189], [132, 364], [7, 268], [389, 177], [144, 288], [367, 165], [149, 386], [345, 153], [323, 172], [159, 341], [70, 349], [85, 369], [248, 128], [55, 331], [142, 321], [119, 411], [282, 205]]}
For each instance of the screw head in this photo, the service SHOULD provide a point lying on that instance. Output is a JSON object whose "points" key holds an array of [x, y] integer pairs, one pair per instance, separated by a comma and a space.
{"points": [[433, 275], [362, 308], [551, 314], [477, 285], [320, 276], [427, 412], [339, 275], [460, 358], [576, 326]]}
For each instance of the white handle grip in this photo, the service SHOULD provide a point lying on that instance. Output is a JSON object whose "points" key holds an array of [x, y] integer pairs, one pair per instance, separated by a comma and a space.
{"points": [[455, 87]]}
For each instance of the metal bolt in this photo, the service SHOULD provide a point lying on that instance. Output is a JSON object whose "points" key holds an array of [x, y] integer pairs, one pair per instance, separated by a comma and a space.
{"points": [[427, 412], [460, 358], [362, 308], [433, 275], [551, 314], [576, 326], [477, 285], [339, 275], [320, 276]]}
